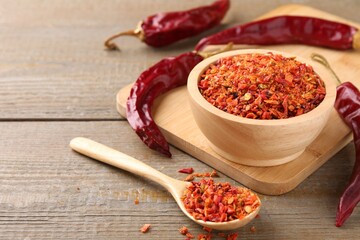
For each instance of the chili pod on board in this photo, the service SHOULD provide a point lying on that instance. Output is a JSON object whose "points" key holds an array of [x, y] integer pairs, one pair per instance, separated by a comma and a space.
{"points": [[167, 74], [163, 76], [347, 105], [288, 30], [166, 28]]}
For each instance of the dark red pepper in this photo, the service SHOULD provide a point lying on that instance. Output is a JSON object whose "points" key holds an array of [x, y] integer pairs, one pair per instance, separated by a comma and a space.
{"points": [[347, 105], [167, 74], [288, 30], [186, 170], [166, 28]]}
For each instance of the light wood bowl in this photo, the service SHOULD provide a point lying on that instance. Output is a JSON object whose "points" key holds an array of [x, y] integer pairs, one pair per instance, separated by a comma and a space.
{"points": [[257, 142]]}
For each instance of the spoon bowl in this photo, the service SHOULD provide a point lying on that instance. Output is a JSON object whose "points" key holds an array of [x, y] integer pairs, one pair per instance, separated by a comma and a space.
{"points": [[176, 187]]}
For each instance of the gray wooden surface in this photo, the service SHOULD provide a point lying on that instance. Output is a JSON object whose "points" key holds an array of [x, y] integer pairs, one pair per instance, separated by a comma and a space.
{"points": [[57, 82]]}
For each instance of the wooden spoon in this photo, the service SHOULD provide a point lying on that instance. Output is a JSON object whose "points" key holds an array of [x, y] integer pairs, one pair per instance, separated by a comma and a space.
{"points": [[120, 160]]}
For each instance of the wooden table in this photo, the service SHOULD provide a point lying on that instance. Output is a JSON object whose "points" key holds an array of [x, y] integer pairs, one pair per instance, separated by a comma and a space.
{"points": [[57, 82]]}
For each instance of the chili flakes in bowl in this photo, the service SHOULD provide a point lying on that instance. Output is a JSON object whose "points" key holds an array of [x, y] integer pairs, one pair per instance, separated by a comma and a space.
{"points": [[262, 86]]}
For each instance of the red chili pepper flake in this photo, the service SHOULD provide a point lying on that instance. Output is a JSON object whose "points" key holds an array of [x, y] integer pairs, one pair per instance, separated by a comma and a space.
{"points": [[221, 234], [183, 230], [232, 236], [189, 178], [204, 236], [207, 229], [192, 176], [262, 86], [189, 235], [253, 229], [218, 202], [186, 170], [207, 174], [145, 228], [136, 201]]}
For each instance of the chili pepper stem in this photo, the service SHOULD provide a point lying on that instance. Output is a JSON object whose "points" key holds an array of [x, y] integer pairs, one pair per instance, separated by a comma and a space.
{"points": [[204, 54], [356, 40], [322, 60], [138, 32]]}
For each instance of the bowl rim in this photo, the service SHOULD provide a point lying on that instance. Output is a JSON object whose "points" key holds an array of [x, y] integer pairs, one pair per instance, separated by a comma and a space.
{"points": [[322, 108]]}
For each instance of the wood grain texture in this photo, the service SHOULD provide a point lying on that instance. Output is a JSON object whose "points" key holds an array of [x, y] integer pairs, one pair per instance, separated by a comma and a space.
{"points": [[50, 192], [53, 69]]}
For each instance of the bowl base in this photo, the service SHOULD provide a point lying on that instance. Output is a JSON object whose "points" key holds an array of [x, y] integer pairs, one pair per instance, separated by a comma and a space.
{"points": [[256, 162]]}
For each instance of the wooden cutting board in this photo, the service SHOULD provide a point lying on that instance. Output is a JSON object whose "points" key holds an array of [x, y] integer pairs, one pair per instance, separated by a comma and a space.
{"points": [[172, 114]]}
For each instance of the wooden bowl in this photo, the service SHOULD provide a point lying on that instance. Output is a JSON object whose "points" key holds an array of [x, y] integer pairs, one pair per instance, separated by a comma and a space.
{"points": [[257, 142]]}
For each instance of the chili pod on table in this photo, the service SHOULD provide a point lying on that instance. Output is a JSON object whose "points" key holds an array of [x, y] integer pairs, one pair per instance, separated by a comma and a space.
{"points": [[166, 28], [167, 74], [347, 105], [288, 30]]}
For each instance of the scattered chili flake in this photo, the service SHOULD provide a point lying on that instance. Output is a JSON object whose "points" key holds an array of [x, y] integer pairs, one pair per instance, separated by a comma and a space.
{"points": [[257, 216], [221, 234], [253, 229], [262, 86], [145, 228], [189, 235], [189, 178], [214, 174], [232, 236], [206, 174], [218, 202], [204, 236], [136, 201], [183, 230], [186, 170], [207, 229]]}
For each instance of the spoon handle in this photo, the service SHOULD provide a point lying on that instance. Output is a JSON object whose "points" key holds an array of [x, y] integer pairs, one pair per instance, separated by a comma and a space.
{"points": [[120, 160]]}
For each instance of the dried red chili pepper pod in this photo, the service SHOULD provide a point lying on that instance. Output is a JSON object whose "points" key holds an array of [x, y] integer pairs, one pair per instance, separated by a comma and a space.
{"points": [[167, 74], [347, 105], [166, 28], [288, 30], [163, 76]]}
